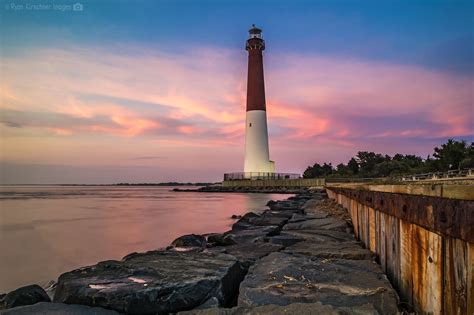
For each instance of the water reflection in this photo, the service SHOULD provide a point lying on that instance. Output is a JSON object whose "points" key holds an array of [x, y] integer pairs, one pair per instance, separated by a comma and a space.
{"points": [[47, 230]]}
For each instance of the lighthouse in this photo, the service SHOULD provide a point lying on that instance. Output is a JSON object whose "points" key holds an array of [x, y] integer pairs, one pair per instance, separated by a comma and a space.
{"points": [[257, 155]]}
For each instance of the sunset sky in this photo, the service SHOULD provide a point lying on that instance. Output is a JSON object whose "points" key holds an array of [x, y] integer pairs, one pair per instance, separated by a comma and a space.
{"points": [[153, 91]]}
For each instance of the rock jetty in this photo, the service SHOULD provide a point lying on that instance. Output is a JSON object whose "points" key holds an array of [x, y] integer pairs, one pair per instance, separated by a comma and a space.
{"points": [[297, 257]]}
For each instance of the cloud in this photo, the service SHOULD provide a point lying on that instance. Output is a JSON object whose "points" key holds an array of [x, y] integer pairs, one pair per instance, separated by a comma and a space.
{"points": [[195, 101]]}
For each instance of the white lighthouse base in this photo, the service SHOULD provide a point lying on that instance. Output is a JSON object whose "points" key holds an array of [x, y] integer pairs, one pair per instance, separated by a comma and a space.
{"points": [[257, 157]]}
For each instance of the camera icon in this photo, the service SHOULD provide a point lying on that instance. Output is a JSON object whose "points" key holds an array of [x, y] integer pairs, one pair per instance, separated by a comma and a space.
{"points": [[77, 6]]}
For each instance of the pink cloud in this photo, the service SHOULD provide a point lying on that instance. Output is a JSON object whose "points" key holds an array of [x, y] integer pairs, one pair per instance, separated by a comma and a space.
{"points": [[196, 100]]}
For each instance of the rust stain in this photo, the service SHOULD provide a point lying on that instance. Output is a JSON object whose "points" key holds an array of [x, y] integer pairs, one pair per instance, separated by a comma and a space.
{"points": [[450, 217], [424, 244]]}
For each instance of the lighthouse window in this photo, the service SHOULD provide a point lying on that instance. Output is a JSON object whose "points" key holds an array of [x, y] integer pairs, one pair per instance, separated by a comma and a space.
{"points": [[250, 125]]}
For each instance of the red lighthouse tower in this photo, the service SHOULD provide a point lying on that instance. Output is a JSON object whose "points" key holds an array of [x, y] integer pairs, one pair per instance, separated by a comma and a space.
{"points": [[257, 156]]}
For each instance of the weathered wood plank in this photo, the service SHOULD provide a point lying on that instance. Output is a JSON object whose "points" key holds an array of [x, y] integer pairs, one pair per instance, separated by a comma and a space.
{"points": [[372, 231], [470, 278], [393, 250], [406, 265], [427, 270], [362, 222], [455, 276], [355, 218], [383, 244]]}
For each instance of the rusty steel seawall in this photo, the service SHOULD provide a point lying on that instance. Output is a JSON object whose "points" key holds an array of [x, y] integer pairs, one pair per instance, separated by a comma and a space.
{"points": [[423, 237]]}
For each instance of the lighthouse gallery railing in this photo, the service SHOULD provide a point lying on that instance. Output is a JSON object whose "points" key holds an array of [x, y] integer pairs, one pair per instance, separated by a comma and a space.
{"points": [[260, 175]]}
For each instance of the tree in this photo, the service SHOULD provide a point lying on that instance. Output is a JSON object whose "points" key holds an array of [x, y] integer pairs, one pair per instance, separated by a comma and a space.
{"points": [[368, 160], [451, 154], [318, 171], [343, 170], [353, 166]]}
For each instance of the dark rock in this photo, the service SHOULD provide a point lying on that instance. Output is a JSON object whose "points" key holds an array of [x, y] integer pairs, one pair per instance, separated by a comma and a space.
{"points": [[190, 240], [271, 202], [221, 239], [285, 239], [268, 219], [321, 235], [284, 279], [50, 288], [326, 223], [156, 282], [27, 295], [57, 309], [284, 213], [295, 308], [248, 253], [343, 250], [244, 223], [305, 217], [235, 216], [254, 233], [213, 302], [284, 205]]}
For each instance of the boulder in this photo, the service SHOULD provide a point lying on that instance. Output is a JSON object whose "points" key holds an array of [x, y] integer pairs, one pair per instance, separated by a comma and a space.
{"points": [[268, 219], [57, 309], [321, 235], [284, 279], [284, 205], [344, 250], [295, 218], [325, 223], [243, 222], [254, 234], [157, 282], [190, 240], [219, 239], [285, 239], [295, 308], [248, 253], [27, 295]]}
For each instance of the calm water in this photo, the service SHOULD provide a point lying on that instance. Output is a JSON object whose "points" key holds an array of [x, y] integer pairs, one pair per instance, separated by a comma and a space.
{"points": [[47, 230]]}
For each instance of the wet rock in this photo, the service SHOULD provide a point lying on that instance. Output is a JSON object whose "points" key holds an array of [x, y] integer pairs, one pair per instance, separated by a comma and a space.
{"points": [[190, 240], [157, 282], [27, 295], [219, 239], [285, 239], [57, 309], [284, 279], [343, 250]]}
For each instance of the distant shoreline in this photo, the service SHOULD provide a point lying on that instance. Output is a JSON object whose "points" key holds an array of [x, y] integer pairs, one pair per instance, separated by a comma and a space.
{"points": [[119, 184]]}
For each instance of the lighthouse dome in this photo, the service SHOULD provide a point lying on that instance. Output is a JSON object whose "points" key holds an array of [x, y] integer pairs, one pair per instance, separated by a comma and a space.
{"points": [[255, 32]]}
